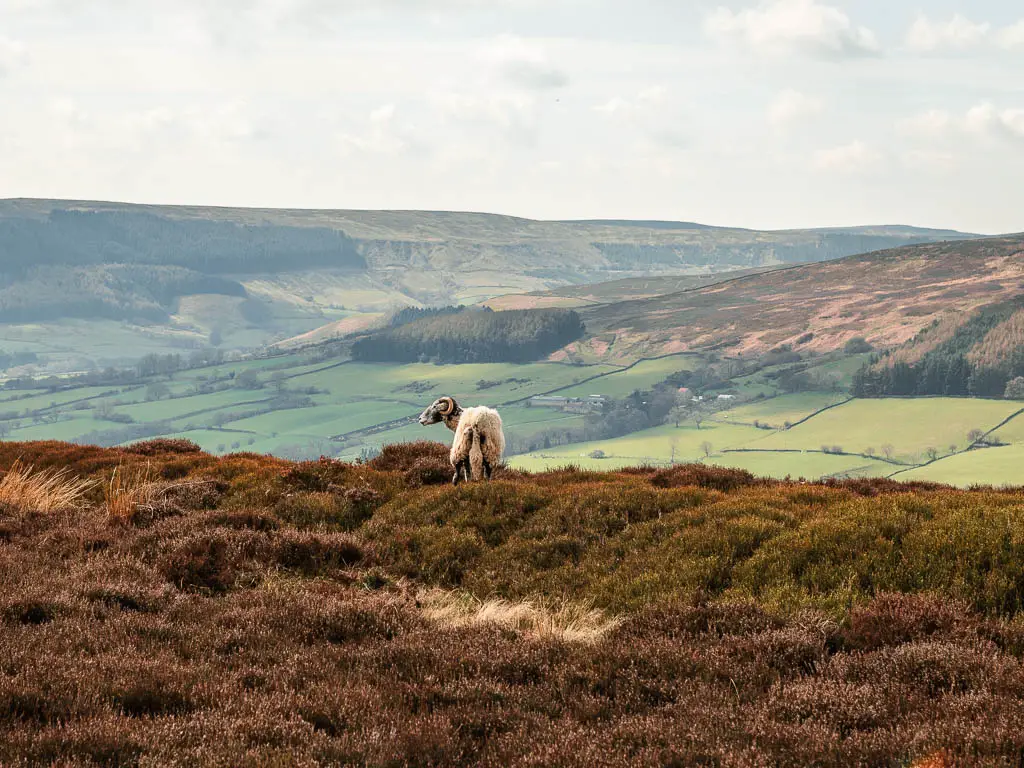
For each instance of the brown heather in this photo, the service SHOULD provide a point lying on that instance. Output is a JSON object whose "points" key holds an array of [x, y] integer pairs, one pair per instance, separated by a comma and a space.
{"points": [[249, 611]]}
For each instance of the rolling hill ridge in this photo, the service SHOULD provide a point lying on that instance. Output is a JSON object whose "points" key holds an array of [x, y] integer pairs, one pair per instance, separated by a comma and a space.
{"points": [[887, 297]]}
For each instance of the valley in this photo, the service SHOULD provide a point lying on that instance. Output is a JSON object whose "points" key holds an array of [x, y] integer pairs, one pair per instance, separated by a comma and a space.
{"points": [[758, 358]]}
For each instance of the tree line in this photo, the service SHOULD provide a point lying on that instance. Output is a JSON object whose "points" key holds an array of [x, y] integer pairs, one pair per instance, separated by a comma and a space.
{"points": [[77, 238], [104, 291], [980, 359], [473, 336]]}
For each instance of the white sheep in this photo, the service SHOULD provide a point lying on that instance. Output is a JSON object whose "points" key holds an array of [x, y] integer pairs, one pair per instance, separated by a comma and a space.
{"points": [[479, 440]]}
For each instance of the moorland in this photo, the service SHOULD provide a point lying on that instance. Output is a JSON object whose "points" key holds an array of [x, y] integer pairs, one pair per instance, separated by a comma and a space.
{"points": [[161, 606]]}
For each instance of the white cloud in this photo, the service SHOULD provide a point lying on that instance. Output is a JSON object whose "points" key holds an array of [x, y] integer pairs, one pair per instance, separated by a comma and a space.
{"points": [[853, 158], [514, 115], [12, 55], [983, 120], [1012, 36], [934, 124], [382, 135], [790, 106], [647, 98], [793, 26], [524, 64], [987, 120], [930, 161], [959, 33]]}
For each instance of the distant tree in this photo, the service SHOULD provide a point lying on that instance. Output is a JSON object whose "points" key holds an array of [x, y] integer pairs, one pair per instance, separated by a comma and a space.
{"points": [[248, 380], [597, 454], [221, 448], [952, 448], [1015, 389], [707, 449], [279, 380], [858, 345], [869, 451], [157, 391], [236, 445], [932, 453], [888, 450], [975, 435], [216, 337]]}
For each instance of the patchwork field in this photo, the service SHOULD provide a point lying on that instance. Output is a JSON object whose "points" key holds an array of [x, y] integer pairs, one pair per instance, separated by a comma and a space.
{"points": [[295, 405], [910, 427], [987, 466]]}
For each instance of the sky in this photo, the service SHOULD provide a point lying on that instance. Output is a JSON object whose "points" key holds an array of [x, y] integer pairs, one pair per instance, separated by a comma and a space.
{"points": [[765, 114]]}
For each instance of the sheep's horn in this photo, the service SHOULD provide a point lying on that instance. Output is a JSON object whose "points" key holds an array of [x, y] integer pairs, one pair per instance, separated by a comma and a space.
{"points": [[449, 406]]}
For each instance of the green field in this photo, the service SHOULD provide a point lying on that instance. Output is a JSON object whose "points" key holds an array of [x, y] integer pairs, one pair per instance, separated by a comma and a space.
{"points": [[777, 411], [358, 407], [1013, 432], [643, 375], [910, 426], [809, 466], [987, 466], [652, 446]]}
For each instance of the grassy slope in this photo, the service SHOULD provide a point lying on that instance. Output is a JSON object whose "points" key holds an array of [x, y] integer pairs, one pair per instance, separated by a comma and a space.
{"points": [[360, 396], [989, 466], [910, 426]]}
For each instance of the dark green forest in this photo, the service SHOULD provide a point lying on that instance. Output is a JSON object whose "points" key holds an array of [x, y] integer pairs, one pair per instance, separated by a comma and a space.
{"points": [[474, 336], [133, 266], [958, 367], [78, 238], [106, 291]]}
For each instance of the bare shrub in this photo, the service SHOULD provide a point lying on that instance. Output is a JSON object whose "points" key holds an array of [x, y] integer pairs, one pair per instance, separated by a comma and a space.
{"points": [[128, 489], [45, 491], [565, 621]]}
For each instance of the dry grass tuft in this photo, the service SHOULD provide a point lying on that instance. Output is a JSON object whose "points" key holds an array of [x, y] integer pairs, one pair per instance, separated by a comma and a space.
{"points": [[569, 622], [127, 490], [45, 492]]}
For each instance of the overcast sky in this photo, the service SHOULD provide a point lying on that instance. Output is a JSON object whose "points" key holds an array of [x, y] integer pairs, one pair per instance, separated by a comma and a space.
{"points": [[771, 114]]}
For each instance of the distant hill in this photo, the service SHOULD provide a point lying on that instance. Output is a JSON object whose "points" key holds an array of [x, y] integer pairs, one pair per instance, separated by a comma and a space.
{"points": [[888, 297], [146, 278]]}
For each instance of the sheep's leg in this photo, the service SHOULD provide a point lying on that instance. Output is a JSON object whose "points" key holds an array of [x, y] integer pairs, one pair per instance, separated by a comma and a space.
{"points": [[487, 469], [467, 473], [461, 471]]}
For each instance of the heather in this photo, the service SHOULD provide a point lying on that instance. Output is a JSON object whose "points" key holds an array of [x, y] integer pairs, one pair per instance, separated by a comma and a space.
{"points": [[161, 606]]}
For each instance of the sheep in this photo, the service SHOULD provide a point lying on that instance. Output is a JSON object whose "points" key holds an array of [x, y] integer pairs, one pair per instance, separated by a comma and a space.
{"points": [[479, 440]]}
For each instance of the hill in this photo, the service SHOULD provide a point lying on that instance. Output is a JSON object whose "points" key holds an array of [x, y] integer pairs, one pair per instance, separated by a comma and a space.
{"points": [[161, 606], [887, 297], [249, 277], [977, 353]]}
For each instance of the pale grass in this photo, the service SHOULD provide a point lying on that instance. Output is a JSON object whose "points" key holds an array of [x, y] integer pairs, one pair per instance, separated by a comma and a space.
{"points": [[46, 491], [569, 622], [127, 490]]}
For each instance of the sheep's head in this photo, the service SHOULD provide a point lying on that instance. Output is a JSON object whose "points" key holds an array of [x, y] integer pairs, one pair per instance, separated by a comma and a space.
{"points": [[443, 409]]}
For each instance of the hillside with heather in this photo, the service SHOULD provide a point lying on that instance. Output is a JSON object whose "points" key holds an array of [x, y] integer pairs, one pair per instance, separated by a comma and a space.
{"points": [[162, 606], [886, 297], [140, 279]]}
